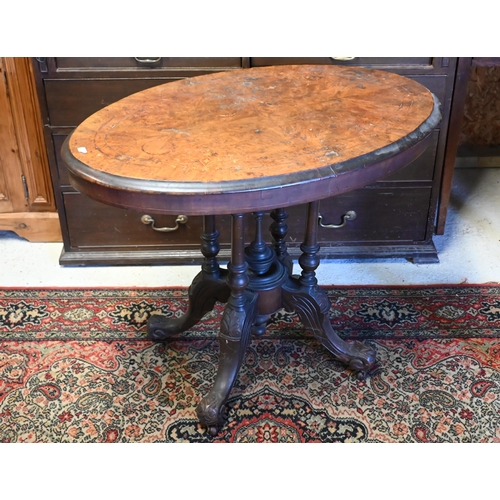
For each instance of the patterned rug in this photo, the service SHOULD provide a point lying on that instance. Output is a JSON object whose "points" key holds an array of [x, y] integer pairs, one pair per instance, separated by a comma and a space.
{"points": [[75, 366]]}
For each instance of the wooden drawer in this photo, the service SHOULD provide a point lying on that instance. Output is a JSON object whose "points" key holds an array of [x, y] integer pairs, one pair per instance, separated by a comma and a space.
{"points": [[393, 214], [144, 63], [94, 224], [382, 62]]}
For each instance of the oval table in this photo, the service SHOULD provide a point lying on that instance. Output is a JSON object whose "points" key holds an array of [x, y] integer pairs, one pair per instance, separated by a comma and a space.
{"points": [[253, 140]]}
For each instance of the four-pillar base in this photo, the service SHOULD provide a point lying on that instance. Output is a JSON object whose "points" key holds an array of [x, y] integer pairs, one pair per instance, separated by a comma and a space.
{"points": [[256, 285]]}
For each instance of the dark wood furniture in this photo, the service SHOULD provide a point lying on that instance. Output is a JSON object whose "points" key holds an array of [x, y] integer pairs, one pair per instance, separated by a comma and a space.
{"points": [[71, 89], [257, 140]]}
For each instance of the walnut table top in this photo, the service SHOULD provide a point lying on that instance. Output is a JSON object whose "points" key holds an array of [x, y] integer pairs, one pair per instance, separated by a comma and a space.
{"points": [[251, 139]]}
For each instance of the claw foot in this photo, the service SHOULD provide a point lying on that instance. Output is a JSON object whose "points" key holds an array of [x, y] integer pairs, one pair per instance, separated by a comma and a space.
{"points": [[363, 361], [211, 414], [161, 328]]}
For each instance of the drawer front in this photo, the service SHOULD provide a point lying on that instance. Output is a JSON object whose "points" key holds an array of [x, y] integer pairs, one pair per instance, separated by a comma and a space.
{"points": [[94, 224], [382, 215], [381, 62], [143, 63]]}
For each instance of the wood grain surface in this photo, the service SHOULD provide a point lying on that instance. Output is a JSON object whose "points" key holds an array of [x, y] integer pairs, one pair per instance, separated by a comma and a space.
{"points": [[250, 130], [255, 123]]}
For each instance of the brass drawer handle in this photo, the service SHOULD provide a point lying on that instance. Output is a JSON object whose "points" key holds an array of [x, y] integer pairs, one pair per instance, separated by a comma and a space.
{"points": [[147, 59], [343, 58], [350, 215], [181, 219]]}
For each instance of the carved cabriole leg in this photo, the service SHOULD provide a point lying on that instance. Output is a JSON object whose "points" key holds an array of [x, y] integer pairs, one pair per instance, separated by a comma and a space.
{"points": [[236, 324], [312, 305], [279, 230], [208, 287]]}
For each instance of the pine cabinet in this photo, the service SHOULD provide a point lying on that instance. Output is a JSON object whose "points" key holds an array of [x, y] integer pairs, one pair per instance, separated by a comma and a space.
{"points": [[27, 204]]}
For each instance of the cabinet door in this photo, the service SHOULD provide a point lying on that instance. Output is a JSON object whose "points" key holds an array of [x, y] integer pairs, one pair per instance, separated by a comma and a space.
{"points": [[25, 184], [26, 198], [12, 198]]}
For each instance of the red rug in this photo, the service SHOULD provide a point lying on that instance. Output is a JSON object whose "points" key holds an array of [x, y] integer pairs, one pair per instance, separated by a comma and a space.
{"points": [[75, 366]]}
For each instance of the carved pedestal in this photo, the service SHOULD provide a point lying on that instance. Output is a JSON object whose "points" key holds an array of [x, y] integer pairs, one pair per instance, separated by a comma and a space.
{"points": [[258, 283]]}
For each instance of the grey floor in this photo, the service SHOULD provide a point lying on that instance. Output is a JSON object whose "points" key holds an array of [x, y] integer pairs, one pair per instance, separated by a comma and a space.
{"points": [[469, 252]]}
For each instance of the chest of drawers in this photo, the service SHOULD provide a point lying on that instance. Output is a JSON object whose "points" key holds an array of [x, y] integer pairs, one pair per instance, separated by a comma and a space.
{"points": [[394, 217]]}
